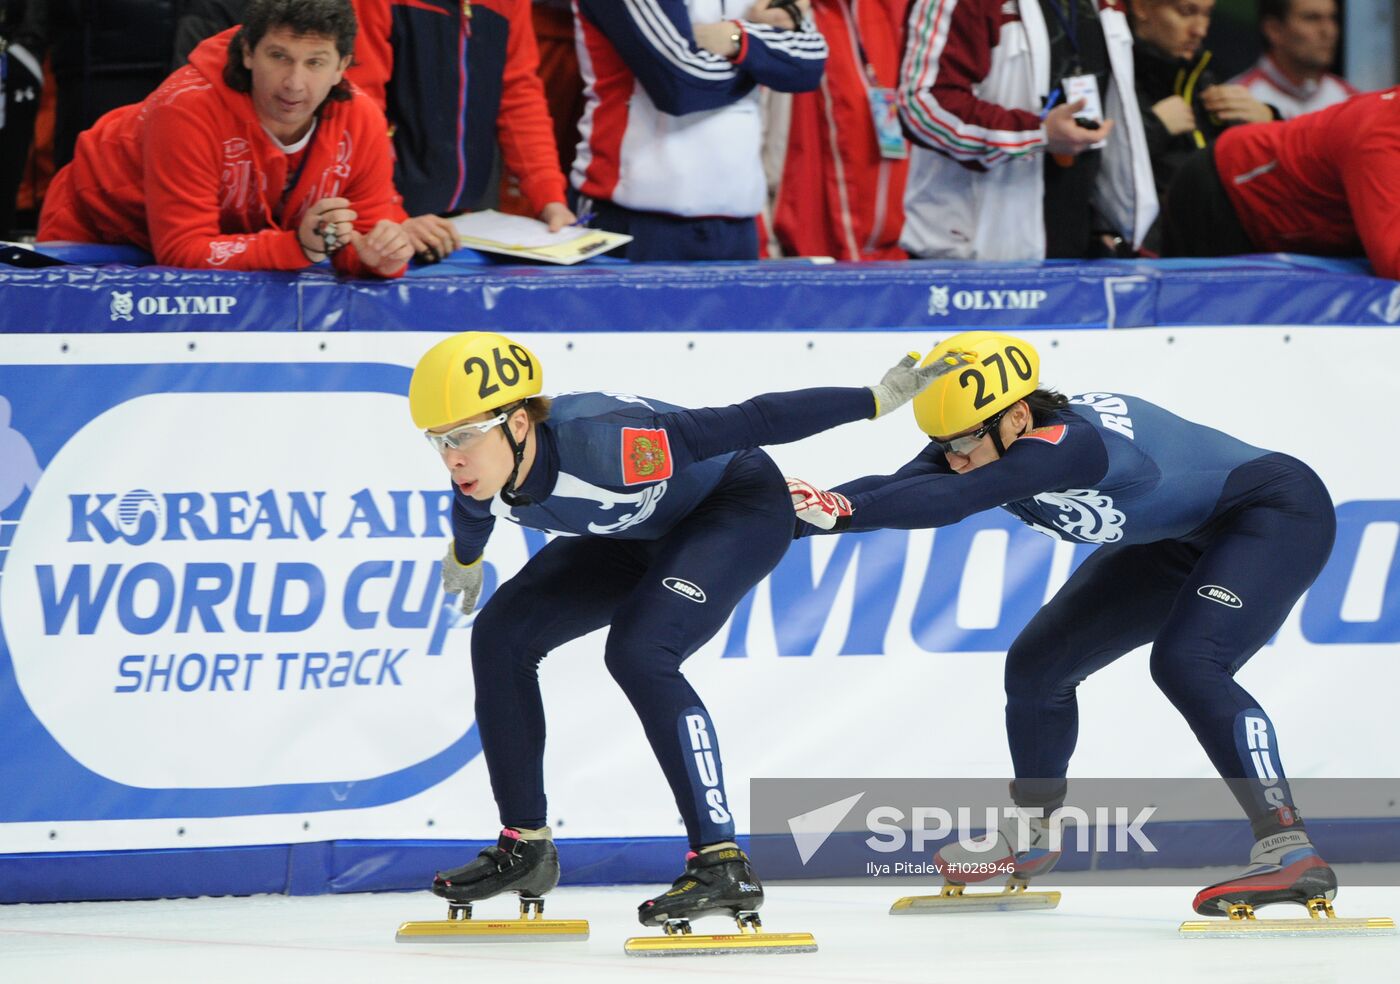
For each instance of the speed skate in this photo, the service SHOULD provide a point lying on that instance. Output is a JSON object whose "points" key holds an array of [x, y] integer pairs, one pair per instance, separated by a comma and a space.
{"points": [[714, 882], [527, 867], [1284, 867], [1021, 849]]}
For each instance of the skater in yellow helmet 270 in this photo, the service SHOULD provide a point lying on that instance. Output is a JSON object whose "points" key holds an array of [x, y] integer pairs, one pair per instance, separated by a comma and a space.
{"points": [[1204, 544], [669, 516]]}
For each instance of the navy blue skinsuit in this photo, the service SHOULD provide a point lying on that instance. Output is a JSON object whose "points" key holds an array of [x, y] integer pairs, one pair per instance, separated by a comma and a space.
{"points": [[1206, 544], [666, 520]]}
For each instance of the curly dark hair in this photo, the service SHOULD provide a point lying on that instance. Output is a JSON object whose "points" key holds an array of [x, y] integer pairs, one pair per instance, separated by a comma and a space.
{"points": [[321, 18]]}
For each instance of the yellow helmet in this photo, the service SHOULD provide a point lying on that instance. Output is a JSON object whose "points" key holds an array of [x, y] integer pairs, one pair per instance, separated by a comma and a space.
{"points": [[1004, 369], [470, 373]]}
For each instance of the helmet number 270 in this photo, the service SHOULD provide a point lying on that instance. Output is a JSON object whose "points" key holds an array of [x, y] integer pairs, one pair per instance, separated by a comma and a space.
{"points": [[507, 369], [1019, 364]]}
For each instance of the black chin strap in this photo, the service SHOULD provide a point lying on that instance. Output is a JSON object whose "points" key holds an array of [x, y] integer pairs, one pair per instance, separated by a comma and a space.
{"points": [[996, 440], [996, 436], [509, 495]]}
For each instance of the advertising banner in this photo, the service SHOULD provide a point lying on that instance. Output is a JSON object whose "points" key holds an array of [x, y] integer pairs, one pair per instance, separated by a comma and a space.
{"points": [[221, 621]]}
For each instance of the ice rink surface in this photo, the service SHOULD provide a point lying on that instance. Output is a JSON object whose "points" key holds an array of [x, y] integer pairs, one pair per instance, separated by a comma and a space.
{"points": [[1096, 935]]}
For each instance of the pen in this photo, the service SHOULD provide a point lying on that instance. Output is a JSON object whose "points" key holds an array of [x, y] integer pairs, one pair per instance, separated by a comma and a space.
{"points": [[1050, 101], [583, 219]]}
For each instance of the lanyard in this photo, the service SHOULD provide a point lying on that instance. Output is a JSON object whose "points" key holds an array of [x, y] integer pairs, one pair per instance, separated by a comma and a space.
{"points": [[1070, 23]]}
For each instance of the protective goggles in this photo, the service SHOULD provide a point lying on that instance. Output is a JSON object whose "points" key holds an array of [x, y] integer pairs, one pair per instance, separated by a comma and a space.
{"points": [[461, 438], [968, 443]]}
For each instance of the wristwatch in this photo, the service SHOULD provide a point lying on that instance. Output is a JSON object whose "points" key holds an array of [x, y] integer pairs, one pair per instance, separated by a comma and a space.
{"points": [[736, 38]]}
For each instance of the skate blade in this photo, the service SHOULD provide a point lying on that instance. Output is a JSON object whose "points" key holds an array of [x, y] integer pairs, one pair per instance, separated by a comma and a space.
{"points": [[493, 931], [687, 944], [912, 905], [1265, 928]]}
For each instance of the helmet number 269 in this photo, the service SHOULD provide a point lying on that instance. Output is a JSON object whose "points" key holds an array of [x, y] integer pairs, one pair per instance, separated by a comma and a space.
{"points": [[507, 369]]}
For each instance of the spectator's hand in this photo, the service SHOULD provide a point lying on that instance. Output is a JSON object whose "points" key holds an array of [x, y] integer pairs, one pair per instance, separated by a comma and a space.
{"points": [[768, 12], [332, 215], [717, 38], [432, 237], [1175, 115], [385, 249], [1234, 104], [1064, 136], [556, 215]]}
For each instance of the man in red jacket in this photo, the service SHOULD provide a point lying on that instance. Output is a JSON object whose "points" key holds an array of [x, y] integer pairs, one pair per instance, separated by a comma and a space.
{"points": [[1326, 183], [254, 156]]}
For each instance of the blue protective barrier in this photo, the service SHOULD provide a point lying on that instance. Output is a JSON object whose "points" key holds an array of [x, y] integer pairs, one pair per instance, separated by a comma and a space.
{"points": [[771, 296], [385, 866]]}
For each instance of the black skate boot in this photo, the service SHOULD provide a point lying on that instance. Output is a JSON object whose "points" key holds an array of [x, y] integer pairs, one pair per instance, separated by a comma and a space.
{"points": [[512, 864], [714, 881], [1283, 868]]}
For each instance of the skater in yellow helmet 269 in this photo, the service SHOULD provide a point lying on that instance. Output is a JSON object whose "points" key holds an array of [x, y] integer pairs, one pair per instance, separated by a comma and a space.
{"points": [[668, 517], [1204, 544]]}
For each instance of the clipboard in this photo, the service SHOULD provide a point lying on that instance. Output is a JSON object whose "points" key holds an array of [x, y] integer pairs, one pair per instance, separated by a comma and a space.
{"points": [[512, 235]]}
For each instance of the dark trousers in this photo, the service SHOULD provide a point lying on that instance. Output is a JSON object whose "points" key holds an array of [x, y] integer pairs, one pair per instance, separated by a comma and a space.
{"points": [[1264, 551], [20, 91], [661, 238], [578, 584], [1197, 217]]}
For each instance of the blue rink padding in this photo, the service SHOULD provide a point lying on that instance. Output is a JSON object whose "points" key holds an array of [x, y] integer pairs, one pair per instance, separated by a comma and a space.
{"points": [[383, 866], [787, 295]]}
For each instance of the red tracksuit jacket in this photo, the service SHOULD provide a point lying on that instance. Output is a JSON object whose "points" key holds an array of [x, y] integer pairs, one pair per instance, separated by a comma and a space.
{"points": [[190, 175], [838, 197], [1326, 183]]}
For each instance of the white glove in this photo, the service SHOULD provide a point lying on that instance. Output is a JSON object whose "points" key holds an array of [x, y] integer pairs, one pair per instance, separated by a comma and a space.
{"points": [[812, 505], [906, 379], [464, 578]]}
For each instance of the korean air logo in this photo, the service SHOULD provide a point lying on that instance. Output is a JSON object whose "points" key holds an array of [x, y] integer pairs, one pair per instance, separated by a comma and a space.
{"points": [[132, 509], [685, 589], [1219, 595]]}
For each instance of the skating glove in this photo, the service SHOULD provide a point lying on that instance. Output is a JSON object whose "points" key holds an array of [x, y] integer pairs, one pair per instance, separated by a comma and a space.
{"points": [[906, 379], [464, 578], [824, 510]]}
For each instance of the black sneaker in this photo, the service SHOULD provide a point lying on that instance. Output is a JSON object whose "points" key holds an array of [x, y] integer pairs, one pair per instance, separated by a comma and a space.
{"points": [[512, 864], [714, 881]]}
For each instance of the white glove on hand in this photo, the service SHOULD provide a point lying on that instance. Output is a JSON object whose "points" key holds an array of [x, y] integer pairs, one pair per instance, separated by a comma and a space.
{"points": [[812, 505], [906, 380], [464, 578]]}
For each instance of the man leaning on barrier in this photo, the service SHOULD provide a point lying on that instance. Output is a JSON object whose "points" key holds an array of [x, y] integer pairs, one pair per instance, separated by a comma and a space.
{"points": [[257, 155]]}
